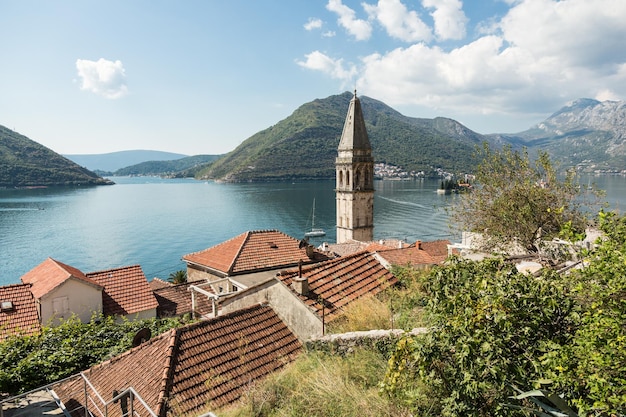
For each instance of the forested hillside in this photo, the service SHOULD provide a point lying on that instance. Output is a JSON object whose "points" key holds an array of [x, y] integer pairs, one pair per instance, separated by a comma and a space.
{"points": [[304, 145], [25, 163]]}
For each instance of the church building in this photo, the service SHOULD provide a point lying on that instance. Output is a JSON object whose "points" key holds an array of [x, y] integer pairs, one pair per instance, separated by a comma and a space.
{"points": [[355, 179]]}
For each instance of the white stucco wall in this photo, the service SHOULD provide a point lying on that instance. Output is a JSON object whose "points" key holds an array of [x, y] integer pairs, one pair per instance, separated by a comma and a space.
{"points": [[73, 297]]}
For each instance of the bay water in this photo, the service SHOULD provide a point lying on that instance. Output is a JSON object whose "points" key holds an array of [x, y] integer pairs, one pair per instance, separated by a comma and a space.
{"points": [[153, 222]]}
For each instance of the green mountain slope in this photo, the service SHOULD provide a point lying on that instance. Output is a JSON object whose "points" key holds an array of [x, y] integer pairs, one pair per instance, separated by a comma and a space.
{"points": [[25, 163], [182, 167], [304, 145]]}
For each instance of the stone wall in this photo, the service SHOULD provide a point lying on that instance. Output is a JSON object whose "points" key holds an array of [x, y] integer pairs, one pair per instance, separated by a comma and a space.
{"points": [[382, 340]]}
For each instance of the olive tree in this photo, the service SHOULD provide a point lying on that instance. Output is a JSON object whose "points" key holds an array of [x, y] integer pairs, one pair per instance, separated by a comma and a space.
{"points": [[518, 202]]}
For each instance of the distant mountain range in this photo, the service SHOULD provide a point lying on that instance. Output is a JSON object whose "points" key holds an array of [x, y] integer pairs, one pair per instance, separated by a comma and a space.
{"points": [[111, 162], [586, 133]]}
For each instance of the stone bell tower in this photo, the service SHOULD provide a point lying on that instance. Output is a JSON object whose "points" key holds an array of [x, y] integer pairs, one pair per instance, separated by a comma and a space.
{"points": [[355, 179]]}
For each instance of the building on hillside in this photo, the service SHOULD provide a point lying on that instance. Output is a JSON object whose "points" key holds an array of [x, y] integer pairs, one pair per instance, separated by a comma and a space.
{"points": [[329, 287], [126, 293], [19, 314], [190, 370], [62, 291], [354, 190], [420, 255], [248, 259]]}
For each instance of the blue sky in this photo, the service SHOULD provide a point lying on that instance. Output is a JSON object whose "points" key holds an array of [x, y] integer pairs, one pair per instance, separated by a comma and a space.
{"points": [[201, 76]]}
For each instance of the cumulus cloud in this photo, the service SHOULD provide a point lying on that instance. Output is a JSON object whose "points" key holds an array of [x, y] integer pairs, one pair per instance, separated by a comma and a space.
{"points": [[359, 28], [335, 68], [313, 24], [449, 18], [398, 21], [538, 56], [102, 77]]}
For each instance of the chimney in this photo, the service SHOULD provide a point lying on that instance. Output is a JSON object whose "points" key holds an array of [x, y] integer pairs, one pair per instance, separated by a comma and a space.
{"points": [[300, 284], [309, 252], [418, 244]]}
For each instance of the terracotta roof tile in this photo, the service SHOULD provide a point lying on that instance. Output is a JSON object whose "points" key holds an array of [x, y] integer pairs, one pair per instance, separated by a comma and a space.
{"points": [[340, 281], [206, 364], [20, 316], [438, 249], [408, 256], [126, 290], [51, 273], [175, 300], [254, 251], [157, 283]]}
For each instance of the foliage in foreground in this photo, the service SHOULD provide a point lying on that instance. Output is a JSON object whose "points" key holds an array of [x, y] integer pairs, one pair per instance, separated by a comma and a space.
{"points": [[321, 385], [28, 362], [494, 328]]}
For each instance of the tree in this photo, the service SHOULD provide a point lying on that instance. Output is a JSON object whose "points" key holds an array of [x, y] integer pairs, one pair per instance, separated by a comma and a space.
{"points": [[519, 201], [489, 325], [591, 368], [178, 277]]}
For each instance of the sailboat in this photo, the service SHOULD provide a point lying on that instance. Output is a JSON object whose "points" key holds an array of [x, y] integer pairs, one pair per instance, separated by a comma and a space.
{"points": [[314, 232]]}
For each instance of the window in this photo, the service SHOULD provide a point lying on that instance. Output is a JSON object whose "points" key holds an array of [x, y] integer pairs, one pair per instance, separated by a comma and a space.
{"points": [[6, 305]]}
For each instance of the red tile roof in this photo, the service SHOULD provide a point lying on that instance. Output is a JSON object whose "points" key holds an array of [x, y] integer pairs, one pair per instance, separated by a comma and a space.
{"points": [[206, 364], [175, 300], [254, 251], [51, 273], [126, 290], [157, 283], [438, 249], [340, 281], [20, 316], [407, 256]]}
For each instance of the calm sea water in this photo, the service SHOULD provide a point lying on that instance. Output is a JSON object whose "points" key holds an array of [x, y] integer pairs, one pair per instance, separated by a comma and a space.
{"points": [[154, 222]]}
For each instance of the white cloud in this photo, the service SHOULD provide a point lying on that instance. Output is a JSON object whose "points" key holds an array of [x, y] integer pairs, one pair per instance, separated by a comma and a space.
{"points": [[318, 61], [540, 55], [360, 29], [313, 24], [449, 18], [398, 21], [103, 77]]}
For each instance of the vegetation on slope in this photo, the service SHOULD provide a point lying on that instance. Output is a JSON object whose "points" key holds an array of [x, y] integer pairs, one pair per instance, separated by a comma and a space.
{"points": [[178, 168], [28, 362], [304, 145], [24, 162]]}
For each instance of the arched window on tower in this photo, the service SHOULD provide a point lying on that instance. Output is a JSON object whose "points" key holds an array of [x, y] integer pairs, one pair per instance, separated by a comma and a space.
{"points": [[340, 178], [348, 179]]}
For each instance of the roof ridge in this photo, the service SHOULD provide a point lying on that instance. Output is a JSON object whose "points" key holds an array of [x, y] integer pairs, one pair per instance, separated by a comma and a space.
{"points": [[233, 261], [169, 370], [16, 285], [112, 269]]}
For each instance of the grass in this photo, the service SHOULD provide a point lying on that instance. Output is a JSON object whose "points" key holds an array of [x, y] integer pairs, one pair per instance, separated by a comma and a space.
{"points": [[319, 384]]}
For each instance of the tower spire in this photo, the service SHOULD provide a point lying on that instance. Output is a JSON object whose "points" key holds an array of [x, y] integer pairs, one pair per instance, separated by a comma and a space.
{"points": [[355, 179]]}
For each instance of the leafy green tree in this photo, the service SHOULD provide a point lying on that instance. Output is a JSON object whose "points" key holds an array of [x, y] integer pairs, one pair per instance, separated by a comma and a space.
{"points": [[489, 326], [178, 277], [28, 362], [519, 201], [591, 369]]}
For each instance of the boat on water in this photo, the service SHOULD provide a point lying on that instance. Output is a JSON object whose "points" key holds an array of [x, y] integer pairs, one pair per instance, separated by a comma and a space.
{"points": [[314, 232]]}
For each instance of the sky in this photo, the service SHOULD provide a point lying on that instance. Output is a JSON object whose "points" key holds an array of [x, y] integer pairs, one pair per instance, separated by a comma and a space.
{"points": [[201, 76]]}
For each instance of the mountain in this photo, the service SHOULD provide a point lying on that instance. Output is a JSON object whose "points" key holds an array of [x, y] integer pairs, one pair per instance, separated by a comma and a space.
{"points": [[26, 163], [113, 161], [586, 133], [304, 145], [183, 167]]}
